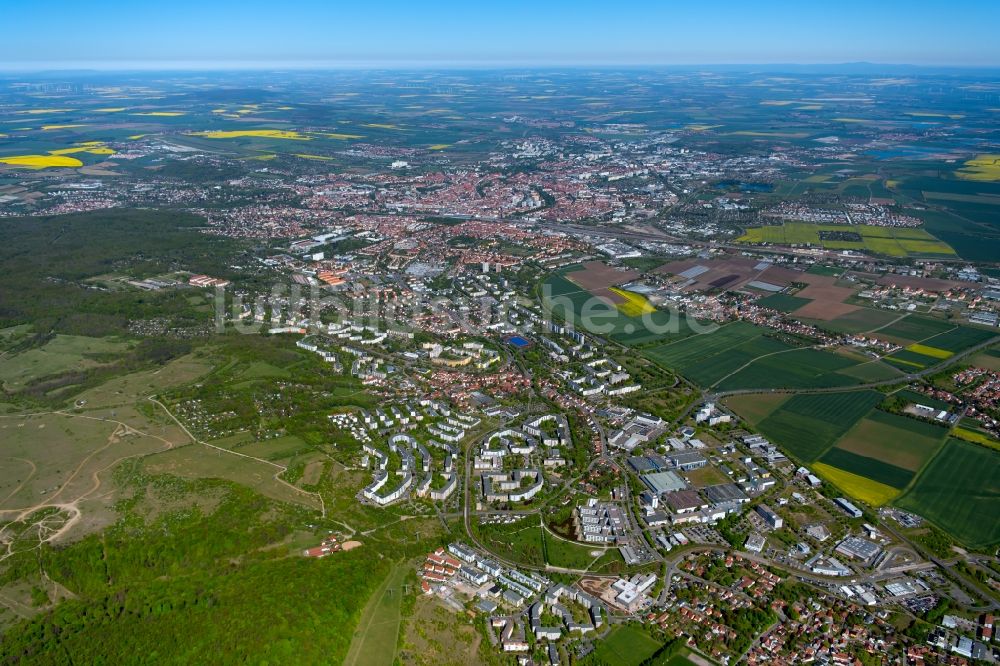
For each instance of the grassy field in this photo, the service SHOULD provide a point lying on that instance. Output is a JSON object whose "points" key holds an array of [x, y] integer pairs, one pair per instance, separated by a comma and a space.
{"points": [[860, 487], [434, 636], [755, 407], [137, 386], [807, 425], [989, 359], [527, 542], [374, 641], [65, 457], [626, 645], [958, 492], [199, 461], [62, 353]]}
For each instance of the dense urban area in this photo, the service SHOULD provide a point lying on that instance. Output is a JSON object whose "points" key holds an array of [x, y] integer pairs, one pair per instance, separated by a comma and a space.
{"points": [[536, 367]]}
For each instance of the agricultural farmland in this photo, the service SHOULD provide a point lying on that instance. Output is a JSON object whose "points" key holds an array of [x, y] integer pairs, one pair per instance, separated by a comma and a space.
{"points": [[860, 487], [960, 492], [892, 439], [808, 424], [798, 368], [601, 315], [889, 241], [783, 302]]}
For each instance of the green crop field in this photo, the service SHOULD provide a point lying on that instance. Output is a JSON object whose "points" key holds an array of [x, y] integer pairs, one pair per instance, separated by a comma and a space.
{"points": [[808, 424], [959, 492], [872, 371], [696, 349], [858, 321], [896, 440], [910, 361], [740, 356], [708, 371], [799, 368], [891, 241], [783, 302], [868, 467], [913, 329], [960, 338]]}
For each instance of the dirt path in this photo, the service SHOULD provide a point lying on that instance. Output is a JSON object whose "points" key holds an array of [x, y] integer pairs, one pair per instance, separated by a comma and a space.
{"points": [[277, 476], [34, 468]]}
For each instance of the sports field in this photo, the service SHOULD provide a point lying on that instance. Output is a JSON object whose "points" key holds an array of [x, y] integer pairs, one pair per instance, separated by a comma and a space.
{"points": [[960, 492], [626, 645], [808, 424]]}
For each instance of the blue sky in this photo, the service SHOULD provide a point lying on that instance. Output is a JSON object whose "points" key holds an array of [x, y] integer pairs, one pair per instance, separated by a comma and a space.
{"points": [[154, 33]]}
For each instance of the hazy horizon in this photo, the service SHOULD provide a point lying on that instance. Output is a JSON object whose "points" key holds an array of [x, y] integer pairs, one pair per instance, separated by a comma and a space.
{"points": [[106, 34]]}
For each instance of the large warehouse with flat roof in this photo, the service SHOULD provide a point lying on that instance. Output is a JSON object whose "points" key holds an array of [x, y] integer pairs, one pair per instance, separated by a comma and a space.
{"points": [[663, 482]]}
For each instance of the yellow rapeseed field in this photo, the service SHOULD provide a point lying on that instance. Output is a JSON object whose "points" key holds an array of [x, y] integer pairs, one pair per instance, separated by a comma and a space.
{"points": [[41, 161], [635, 305], [36, 112], [265, 133], [859, 487], [983, 168], [933, 352], [976, 438]]}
